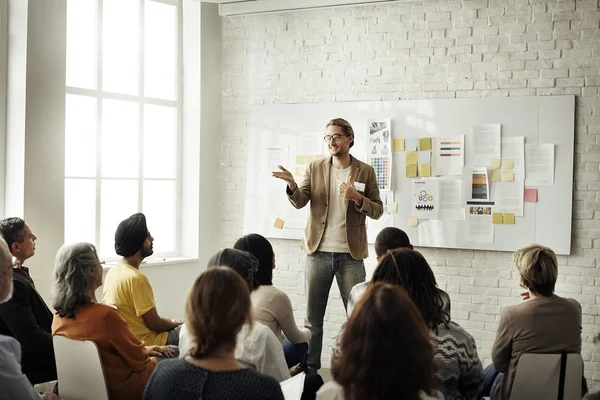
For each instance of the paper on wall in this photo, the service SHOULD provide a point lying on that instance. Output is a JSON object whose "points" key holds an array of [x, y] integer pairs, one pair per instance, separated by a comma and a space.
{"points": [[479, 226], [451, 205], [513, 148], [431, 233], [425, 199], [539, 164], [508, 197], [483, 144], [477, 182], [449, 155]]}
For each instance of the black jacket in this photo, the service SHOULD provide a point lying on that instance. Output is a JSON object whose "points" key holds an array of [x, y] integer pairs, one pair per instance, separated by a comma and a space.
{"points": [[26, 317]]}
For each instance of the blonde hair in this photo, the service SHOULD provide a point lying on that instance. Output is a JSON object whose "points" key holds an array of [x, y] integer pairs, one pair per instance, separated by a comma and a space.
{"points": [[538, 268]]}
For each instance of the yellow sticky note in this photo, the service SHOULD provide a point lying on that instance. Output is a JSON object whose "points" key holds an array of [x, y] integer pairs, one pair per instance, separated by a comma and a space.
{"points": [[497, 218], [424, 169], [425, 144], [300, 160], [278, 223], [299, 171], [309, 159], [398, 144], [509, 218], [392, 208], [412, 157], [508, 175], [496, 175], [508, 163], [411, 171], [494, 164], [413, 221]]}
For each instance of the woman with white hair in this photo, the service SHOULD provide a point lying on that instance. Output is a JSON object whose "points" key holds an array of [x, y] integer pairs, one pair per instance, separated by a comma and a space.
{"points": [[13, 382], [126, 362]]}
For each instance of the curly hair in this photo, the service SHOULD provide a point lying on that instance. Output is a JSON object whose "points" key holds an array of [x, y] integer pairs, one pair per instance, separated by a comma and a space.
{"points": [[386, 350]]}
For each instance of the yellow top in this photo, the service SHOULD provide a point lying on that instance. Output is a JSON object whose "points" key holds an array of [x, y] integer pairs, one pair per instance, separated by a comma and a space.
{"points": [[130, 292]]}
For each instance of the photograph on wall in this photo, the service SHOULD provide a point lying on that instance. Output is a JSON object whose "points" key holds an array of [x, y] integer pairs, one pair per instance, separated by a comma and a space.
{"points": [[379, 151]]}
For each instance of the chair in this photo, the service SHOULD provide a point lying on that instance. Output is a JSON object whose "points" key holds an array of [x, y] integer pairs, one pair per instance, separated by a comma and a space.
{"points": [[538, 376], [79, 368]]}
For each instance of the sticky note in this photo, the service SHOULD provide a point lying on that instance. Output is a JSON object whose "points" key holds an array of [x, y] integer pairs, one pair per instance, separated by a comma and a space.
{"points": [[411, 157], [497, 218], [494, 164], [424, 169], [496, 175], [508, 175], [424, 157], [299, 171], [531, 195], [509, 218], [278, 223], [309, 159], [398, 144], [413, 221], [300, 160], [508, 163], [411, 171], [425, 144], [392, 208], [410, 144]]}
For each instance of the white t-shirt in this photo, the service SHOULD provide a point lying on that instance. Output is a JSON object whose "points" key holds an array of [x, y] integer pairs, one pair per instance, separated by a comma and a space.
{"points": [[332, 391], [334, 238], [258, 348]]}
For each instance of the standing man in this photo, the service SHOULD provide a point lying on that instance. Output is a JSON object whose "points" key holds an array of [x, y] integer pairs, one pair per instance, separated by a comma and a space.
{"points": [[341, 191], [26, 317], [126, 288]]}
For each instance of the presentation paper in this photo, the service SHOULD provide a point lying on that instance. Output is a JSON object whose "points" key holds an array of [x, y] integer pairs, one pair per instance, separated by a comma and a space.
{"points": [[483, 144], [292, 388], [480, 188], [425, 200], [451, 206], [449, 155], [508, 197], [431, 233], [479, 225], [539, 165], [513, 149]]}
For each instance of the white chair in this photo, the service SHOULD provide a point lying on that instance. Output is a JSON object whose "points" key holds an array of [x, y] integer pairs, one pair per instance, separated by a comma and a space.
{"points": [[79, 368], [538, 377]]}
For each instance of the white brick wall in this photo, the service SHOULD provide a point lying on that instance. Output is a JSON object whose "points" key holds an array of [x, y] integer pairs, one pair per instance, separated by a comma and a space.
{"points": [[427, 49]]}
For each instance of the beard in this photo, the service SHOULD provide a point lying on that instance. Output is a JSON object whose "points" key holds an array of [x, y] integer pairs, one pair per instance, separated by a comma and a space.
{"points": [[146, 252]]}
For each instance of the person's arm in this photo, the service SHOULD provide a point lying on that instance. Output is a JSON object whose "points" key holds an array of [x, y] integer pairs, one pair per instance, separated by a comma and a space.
{"points": [[471, 371], [300, 195], [13, 382], [370, 204], [158, 324], [145, 307], [502, 348], [285, 318], [18, 315]]}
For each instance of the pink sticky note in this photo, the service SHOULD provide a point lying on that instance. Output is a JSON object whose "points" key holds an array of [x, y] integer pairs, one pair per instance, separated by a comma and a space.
{"points": [[531, 195]]}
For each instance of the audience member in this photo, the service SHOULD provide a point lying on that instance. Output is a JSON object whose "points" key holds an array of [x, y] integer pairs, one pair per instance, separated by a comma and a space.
{"points": [[544, 323], [13, 382], [256, 345], [26, 317], [126, 288], [217, 308], [386, 351], [389, 238], [271, 306], [126, 363]]}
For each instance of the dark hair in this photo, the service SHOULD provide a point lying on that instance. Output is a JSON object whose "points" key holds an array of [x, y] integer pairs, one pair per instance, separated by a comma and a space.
{"points": [[345, 125], [242, 262], [391, 238], [386, 350], [260, 248], [217, 307], [13, 229], [409, 269]]}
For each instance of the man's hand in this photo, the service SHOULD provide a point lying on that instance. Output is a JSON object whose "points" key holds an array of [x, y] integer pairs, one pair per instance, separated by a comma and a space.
{"points": [[159, 351], [350, 193], [286, 176]]}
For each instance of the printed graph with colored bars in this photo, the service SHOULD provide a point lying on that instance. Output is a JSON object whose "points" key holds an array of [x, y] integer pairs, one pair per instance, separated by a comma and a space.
{"points": [[383, 172], [450, 149]]}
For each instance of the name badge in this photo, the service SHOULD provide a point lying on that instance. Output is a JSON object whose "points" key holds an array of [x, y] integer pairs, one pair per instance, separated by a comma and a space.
{"points": [[359, 186]]}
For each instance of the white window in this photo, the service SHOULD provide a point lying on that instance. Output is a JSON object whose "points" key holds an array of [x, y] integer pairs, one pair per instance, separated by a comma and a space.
{"points": [[123, 120]]}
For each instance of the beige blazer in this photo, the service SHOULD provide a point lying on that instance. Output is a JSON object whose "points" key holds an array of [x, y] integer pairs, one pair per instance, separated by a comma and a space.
{"points": [[315, 188]]}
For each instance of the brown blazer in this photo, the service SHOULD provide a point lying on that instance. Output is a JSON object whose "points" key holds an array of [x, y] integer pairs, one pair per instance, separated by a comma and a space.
{"points": [[315, 188]]}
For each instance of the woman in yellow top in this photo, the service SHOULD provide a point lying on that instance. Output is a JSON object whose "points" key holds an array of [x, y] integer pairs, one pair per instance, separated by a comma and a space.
{"points": [[126, 362]]}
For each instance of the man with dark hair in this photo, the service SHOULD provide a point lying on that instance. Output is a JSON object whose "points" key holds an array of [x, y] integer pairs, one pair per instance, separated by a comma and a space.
{"points": [[126, 288], [26, 316]]}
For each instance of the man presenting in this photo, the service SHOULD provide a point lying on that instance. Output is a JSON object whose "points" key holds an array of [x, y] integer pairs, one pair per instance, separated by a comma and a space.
{"points": [[341, 191]]}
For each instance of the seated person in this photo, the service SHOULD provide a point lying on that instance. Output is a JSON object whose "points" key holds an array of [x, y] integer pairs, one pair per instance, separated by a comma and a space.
{"points": [[217, 308], [386, 351], [544, 323], [26, 317], [256, 345], [271, 306], [126, 288], [126, 363], [13, 382], [389, 238], [459, 371]]}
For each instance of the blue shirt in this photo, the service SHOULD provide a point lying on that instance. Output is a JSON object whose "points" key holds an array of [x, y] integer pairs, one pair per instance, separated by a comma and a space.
{"points": [[13, 382]]}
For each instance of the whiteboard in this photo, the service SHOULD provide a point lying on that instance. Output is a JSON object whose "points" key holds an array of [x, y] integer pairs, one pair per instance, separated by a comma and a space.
{"points": [[289, 133]]}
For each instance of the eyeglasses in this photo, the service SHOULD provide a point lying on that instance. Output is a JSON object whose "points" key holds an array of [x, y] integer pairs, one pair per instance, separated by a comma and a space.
{"points": [[335, 137]]}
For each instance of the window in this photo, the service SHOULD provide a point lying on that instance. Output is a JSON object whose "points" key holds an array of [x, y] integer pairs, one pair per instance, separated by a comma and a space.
{"points": [[123, 120]]}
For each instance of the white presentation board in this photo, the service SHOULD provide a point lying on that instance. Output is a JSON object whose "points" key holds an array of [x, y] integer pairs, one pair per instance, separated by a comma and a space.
{"points": [[292, 135]]}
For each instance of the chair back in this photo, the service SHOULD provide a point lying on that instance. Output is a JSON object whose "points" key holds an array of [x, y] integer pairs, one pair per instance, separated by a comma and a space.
{"points": [[79, 368], [538, 376]]}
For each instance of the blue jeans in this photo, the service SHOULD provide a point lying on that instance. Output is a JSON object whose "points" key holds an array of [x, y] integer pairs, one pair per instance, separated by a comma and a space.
{"points": [[295, 353], [321, 268], [491, 379]]}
